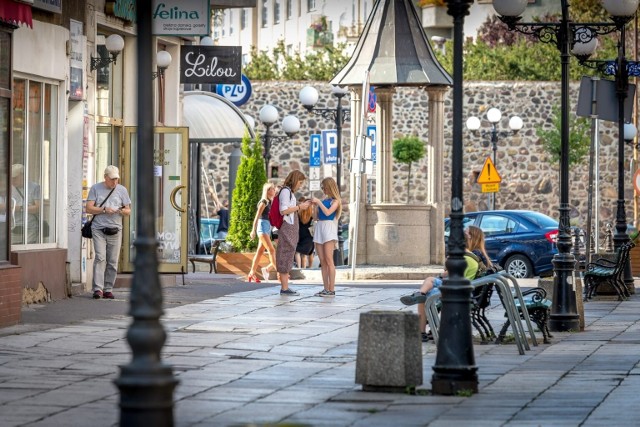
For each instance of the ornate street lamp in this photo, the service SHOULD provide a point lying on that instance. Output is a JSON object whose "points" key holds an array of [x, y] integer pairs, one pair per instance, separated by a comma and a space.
{"points": [[308, 98], [494, 116], [455, 369], [565, 34], [269, 116], [163, 60], [114, 44]]}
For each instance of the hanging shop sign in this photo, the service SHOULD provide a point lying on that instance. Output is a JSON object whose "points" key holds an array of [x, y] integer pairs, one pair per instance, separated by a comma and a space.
{"points": [[76, 58], [54, 6], [181, 17], [123, 9], [237, 94], [211, 64]]}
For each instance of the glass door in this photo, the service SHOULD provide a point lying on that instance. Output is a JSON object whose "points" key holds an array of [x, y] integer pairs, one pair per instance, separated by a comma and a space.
{"points": [[171, 177]]}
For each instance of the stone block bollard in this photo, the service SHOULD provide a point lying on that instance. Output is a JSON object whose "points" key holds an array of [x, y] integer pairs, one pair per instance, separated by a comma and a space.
{"points": [[389, 355]]}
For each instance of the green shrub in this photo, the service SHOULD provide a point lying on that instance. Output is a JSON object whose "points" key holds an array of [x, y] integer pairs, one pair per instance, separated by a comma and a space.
{"points": [[250, 178], [408, 149]]}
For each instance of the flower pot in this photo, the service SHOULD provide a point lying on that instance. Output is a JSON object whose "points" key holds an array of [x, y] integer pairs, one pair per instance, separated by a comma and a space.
{"points": [[436, 17], [238, 263]]}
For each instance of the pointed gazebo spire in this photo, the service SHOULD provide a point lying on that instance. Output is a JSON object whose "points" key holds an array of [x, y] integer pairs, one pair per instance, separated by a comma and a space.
{"points": [[395, 50]]}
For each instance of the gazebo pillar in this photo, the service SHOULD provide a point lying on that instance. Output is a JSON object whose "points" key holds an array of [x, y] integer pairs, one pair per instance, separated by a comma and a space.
{"points": [[384, 142], [435, 154]]}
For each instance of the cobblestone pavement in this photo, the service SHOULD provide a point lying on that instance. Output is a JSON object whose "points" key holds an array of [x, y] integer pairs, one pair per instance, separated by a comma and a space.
{"points": [[255, 357]]}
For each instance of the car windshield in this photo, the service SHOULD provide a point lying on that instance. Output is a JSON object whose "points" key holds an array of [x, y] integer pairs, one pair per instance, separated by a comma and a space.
{"points": [[539, 219]]}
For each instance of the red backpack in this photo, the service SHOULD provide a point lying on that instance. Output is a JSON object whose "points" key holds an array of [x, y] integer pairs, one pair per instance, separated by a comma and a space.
{"points": [[275, 218]]}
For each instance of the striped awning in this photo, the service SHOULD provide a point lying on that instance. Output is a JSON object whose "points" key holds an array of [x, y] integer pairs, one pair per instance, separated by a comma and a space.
{"points": [[395, 50], [15, 13]]}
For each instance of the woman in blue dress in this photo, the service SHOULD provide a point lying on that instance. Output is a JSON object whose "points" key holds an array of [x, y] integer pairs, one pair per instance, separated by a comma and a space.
{"points": [[325, 235]]}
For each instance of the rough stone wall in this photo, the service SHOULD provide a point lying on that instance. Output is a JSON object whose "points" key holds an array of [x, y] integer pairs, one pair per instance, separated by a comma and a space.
{"points": [[529, 179]]}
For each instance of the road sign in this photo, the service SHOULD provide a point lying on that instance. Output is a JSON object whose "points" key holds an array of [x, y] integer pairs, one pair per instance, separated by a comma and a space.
{"points": [[489, 174], [371, 133], [330, 146], [314, 174], [636, 181], [315, 150], [490, 188]]}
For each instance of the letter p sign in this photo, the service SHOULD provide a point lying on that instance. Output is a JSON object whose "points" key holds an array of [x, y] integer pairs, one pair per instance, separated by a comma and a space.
{"points": [[315, 150], [330, 146]]}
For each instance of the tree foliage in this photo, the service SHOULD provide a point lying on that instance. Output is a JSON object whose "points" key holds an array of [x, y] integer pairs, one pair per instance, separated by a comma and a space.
{"points": [[319, 65], [250, 178], [579, 141], [408, 149]]}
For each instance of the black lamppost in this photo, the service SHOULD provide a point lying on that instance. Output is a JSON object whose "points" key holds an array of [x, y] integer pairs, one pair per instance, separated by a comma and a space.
{"points": [[308, 98], [146, 384], [290, 125], [455, 369], [565, 34], [494, 116]]}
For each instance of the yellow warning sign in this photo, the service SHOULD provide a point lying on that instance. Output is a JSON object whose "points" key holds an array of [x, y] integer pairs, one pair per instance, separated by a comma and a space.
{"points": [[490, 188], [489, 174]]}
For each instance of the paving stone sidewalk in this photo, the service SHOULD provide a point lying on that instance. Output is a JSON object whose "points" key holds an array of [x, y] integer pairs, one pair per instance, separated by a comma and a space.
{"points": [[258, 358]]}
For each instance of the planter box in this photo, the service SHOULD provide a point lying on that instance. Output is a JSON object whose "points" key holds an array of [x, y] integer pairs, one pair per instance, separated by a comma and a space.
{"points": [[238, 263], [436, 17]]}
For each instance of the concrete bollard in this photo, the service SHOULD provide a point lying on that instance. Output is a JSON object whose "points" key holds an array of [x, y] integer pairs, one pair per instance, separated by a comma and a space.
{"points": [[389, 355]]}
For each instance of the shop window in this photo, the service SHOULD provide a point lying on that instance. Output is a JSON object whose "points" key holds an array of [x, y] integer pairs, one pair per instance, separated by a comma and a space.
{"points": [[33, 169]]}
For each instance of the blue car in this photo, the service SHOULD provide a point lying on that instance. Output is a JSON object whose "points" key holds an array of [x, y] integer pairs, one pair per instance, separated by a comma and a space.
{"points": [[522, 242]]}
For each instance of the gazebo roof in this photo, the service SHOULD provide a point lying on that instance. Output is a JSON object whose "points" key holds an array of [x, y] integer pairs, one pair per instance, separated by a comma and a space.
{"points": [[395, 50]]}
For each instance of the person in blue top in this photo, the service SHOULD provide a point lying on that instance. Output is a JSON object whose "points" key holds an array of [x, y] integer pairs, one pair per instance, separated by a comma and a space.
{"points": [[325, 235]]}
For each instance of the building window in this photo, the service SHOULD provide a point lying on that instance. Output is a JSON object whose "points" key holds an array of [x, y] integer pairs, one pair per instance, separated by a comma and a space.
{"points": [[230, 22], [34, 176], [5, 115], [265, 14], [243, 19], [311, 5], [276, 12], [288, 13]]}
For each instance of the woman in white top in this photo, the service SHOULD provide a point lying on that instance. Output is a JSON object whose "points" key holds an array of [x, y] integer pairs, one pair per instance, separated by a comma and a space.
{"points": [[288, 233]]}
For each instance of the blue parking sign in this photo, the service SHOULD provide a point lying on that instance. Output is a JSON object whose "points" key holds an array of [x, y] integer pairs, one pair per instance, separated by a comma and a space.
{"points": [[330, 146], [371, 133], [315, 150]]}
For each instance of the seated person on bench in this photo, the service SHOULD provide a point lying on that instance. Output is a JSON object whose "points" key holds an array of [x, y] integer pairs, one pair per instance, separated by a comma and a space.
{"points": [[475, 268]]}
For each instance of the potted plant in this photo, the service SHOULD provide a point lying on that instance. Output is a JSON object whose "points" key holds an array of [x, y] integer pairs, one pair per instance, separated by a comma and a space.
{"points": [[408, 149], [250, 178]]}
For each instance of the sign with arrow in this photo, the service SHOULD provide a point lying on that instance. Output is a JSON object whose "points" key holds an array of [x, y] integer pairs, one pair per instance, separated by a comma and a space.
{"points": [[489, 177]]}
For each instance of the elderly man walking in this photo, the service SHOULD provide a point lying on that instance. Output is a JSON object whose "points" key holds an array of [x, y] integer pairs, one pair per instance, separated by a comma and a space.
{"points": [[109, 203]]}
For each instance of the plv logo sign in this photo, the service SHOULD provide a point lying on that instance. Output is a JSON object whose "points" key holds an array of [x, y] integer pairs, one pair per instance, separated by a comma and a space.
{"points": [[237, 94]]}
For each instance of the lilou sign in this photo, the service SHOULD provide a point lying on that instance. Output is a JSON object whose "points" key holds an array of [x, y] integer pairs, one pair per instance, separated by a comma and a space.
{"points": [[181, 17], [210, 64]]}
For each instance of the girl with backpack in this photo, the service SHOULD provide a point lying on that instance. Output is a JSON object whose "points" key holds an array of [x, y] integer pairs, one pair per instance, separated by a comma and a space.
{"points": [[288, 232], [262, 228]]}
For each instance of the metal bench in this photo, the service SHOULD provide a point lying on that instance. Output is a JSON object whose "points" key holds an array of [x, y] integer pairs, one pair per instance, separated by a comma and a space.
{"points": [[207, 259], [605, 271], [537, 308], [501, 283]]}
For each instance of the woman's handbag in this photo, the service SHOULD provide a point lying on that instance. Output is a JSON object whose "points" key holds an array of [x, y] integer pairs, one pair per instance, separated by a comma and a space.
{"points": [[86, 228]]}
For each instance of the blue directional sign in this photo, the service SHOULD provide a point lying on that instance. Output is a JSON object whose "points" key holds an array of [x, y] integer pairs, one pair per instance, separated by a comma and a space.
{"points": [[315, 150], [330, 146], [371, 133], [238, 94]]}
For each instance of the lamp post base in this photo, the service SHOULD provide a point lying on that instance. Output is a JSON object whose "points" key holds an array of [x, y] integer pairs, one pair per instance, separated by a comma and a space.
{"points": [[564, 313]]}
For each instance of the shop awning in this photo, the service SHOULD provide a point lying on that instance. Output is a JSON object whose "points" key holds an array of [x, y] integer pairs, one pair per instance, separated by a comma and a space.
{"points": [[12, 12]]}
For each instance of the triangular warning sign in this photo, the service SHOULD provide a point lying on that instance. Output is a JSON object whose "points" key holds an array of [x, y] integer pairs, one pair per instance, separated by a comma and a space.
{"points": [[489, 174]]}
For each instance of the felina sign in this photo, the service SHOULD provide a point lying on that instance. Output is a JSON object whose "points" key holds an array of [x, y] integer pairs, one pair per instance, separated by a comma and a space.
{"points": [[181, 17], [211, 64]]}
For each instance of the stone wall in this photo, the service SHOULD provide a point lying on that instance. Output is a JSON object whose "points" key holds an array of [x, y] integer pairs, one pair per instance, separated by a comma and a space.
{"points": [[529, 179]]}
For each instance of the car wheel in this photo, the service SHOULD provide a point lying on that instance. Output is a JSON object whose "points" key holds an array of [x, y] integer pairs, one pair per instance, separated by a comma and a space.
{"points": [[519, 267]]}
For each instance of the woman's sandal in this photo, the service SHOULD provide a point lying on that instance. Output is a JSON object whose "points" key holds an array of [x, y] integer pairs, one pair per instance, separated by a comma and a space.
{"points": [[253, 278]]}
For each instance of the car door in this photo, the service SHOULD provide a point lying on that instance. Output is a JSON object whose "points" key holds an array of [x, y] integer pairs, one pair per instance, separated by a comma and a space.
{"points": [[499, 230]]}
